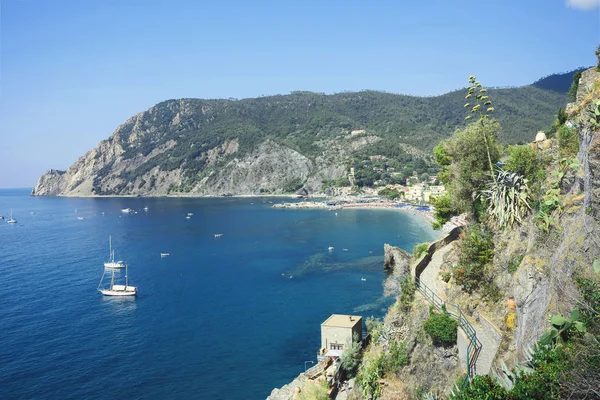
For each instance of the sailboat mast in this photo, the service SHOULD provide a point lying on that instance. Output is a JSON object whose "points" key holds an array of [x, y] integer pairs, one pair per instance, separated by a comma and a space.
{"points": [[110, 253], [126, 276], [112, 280]]}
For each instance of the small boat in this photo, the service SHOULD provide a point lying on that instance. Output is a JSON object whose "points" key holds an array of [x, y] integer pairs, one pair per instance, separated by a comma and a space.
{"points": [[11, 220], [187, 217], [146, 208], [218, 235], [330, 248], [345, 249], [190, 214], [80, 218], [116, 289], [363, 279], [164, 255], [111, 263], [126, 210], [1, 216]]}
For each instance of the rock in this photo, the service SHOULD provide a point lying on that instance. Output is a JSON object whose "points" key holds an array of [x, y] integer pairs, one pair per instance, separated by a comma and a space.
{"points": [[395, 259], [586, 83], [540, 136]]}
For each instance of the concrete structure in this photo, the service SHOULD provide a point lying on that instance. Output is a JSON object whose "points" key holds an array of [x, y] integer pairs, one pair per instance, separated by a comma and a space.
{"points": [[337, 332]]}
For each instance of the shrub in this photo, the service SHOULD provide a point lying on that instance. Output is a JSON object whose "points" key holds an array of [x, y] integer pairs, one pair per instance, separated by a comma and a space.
{"points": [[369, 374], [374, 328], [391, 194], [350, 358], [420, 249], [514, 262], [474, 252], [525, 161], [446, 276], [482, 387], [444, 210], [407, 296], [318, 390], [544, 383], [442, 328], [397, 356], [568, 141], [292, 185]]}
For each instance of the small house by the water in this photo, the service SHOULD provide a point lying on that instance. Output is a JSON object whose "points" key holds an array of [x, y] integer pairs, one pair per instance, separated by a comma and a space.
{"points": [[337, 332]]}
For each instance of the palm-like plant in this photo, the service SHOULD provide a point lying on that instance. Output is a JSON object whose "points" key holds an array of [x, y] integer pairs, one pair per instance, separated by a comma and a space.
{"points": [[507, 198]]}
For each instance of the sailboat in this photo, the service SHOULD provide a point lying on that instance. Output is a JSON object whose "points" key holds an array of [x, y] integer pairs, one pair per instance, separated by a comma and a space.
{"points": [[111, 263], [11, 220], [114, 268]]}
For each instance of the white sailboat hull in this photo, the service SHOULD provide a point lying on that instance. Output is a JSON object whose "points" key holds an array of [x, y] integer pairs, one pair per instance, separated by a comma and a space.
{"points": [[113, 264], [120, 290]]}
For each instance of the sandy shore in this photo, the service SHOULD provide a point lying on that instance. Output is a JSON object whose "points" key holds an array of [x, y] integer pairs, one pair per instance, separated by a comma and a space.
{"points": [[370, 204]]}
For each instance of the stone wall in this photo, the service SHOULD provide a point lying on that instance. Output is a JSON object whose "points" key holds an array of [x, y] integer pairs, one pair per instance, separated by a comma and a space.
{"points": [[422, 263]]}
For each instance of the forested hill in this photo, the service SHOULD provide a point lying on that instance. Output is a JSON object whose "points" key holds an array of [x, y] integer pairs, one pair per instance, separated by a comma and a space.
{"points": [[192, 139]]}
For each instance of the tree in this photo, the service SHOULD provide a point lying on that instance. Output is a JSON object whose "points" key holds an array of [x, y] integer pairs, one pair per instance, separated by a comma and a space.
{"points": [[351, 356], [598, 57], [471, 155]]}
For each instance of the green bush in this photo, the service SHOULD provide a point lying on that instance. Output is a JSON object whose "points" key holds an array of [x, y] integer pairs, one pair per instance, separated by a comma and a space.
{"points": [[568, 141], [444, 210], [374, 327], [474, 252], [514, 262], [483, 387], [350, 358], [442, 328], [292, 185], [549, 365], [369, 374], [391, 194], [525, 161], [318, 390], [420, 249], [397, 356], [407, 296]]}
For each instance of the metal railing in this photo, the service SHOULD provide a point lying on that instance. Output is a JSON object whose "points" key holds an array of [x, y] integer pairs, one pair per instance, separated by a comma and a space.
{"points": [[474, 347]]}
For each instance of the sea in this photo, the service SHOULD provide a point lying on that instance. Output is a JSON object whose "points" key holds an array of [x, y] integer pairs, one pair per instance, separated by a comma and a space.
{"points": [[230, 316]]}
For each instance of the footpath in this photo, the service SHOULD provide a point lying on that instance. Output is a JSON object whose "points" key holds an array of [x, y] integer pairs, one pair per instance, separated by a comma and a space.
{"points": [[484, 331]]}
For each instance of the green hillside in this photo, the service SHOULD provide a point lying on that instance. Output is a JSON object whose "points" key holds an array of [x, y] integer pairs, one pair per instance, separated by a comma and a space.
{"points": [[307, 122]]}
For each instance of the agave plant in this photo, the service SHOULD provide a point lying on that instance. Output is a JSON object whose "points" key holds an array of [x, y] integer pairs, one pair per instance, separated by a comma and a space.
{"points": [[507, 198], [507, 377]]}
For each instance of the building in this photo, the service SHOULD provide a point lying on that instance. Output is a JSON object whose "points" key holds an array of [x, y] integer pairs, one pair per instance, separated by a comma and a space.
{"points": [[415, 193], [337, 332]]}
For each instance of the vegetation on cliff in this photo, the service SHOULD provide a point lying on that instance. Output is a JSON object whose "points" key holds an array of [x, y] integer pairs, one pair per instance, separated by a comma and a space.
{"points": [[529, 261]]}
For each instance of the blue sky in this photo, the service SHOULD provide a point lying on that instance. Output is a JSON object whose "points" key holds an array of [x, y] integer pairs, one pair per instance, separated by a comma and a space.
{"points": [[72, 71]]}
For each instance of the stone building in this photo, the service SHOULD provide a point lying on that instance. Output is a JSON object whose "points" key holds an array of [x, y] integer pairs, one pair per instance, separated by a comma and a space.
{"points": [[337, 332]]}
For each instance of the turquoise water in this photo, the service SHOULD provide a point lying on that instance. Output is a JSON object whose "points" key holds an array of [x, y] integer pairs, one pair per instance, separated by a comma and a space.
{"points": [[221, 318]]}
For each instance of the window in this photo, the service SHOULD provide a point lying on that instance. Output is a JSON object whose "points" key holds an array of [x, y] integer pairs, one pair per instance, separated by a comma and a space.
{"points": [[336, 346]]}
